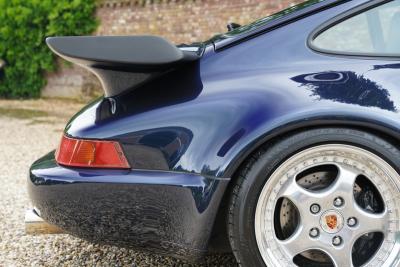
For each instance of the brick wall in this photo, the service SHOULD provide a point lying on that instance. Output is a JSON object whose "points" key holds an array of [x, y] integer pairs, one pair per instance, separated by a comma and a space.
{"points": [[181, 21]]}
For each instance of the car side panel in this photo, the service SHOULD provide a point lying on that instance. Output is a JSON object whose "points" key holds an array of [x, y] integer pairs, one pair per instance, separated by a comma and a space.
{"points": [[245, 94]]}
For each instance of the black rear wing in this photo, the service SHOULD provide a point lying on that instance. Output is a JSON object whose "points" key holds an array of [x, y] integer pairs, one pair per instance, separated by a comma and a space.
{"points": [[121, 62]]}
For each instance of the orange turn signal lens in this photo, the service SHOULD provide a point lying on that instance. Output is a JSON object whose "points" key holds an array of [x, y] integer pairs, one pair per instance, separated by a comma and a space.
{"points": [[91, 153]]}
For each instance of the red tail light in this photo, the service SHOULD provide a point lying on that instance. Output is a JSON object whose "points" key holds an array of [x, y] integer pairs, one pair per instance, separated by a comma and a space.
{"points": [[91, 153]]}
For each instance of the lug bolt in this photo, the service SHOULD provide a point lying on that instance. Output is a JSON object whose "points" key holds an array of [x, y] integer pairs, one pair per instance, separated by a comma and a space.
{"points": [[315, 208], [352, 221], [314, 232], [337, 241], [338, 202]]}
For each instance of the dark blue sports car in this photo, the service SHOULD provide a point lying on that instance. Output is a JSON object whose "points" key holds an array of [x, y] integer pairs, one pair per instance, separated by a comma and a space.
{"points": [[278, 140]]}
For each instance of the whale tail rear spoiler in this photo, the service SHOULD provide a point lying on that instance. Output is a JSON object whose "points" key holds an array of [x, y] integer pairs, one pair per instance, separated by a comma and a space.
{"points": [[121, 62]]}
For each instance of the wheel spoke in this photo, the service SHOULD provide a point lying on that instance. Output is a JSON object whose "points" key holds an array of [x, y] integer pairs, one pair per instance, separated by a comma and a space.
{"points": [[370, 222], [341, 257], [297, 243], [293, 191], [344, 184], [299, 196]]}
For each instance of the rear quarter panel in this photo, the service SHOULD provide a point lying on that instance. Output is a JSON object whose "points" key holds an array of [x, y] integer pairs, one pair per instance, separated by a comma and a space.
{"points": [[246, 94]]}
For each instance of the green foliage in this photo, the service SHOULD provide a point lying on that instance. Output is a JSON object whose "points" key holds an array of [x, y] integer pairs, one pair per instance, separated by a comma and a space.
{"points": [[24, 25]]}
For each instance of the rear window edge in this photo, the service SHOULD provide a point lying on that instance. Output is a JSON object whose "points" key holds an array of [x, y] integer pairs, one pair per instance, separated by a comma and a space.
{"points": [[340, 18], [222, 44]]}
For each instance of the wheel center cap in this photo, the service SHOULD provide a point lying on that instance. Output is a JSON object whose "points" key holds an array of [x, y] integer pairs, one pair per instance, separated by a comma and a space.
{"points": [[331, 221]]}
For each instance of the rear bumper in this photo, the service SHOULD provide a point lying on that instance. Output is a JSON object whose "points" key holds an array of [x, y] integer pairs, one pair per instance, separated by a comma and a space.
{"points": [[165, 212]]}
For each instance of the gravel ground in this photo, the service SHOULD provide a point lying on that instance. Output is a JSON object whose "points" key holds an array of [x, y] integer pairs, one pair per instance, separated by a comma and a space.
{"points": [[30, 129]]}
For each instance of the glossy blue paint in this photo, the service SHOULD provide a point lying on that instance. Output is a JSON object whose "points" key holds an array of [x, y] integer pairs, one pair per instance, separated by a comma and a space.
{"points": [[197, 124], [239, 97], [169, 213]]}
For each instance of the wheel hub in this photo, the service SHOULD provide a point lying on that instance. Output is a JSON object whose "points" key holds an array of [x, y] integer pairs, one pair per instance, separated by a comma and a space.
{"points": [[331, 221]]}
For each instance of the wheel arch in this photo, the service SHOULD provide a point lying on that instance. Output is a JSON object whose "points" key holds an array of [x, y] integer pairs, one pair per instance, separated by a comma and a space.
{"points": [[390, 133]]}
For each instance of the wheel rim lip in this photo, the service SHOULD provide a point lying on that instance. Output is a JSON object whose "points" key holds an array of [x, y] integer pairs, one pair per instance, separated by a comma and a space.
{"points": [[271, 182]]}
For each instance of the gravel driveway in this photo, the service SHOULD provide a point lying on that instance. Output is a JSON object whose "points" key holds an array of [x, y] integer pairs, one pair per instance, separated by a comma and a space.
{"points": [[28, 130]]}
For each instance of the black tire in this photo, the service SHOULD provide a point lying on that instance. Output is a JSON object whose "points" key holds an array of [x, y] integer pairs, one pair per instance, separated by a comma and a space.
{"points": [[251, 178]]}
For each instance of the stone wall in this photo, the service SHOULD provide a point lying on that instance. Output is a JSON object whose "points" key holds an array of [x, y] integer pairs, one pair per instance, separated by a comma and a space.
{"points": [[181, 21]]}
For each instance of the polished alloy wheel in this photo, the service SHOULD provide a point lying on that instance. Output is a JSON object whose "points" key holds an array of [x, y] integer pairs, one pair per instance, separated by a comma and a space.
{"points": [[330, 205]]}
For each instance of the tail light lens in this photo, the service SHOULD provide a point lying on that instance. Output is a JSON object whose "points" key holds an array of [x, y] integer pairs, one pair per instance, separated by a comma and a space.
{"points": [[91, 153]]}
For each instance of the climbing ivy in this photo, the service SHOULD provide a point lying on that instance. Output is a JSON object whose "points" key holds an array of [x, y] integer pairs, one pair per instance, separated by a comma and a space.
{"points": [[24, 26]]}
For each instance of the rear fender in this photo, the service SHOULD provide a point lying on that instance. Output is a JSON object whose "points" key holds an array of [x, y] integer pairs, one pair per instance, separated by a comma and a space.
{"points": [[386, 125]]}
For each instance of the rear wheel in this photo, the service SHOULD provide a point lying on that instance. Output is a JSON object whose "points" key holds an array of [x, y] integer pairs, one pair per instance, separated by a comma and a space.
{"points": [[325, 197]]}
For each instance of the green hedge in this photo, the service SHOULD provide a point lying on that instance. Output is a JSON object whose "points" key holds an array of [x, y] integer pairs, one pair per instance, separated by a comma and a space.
{"points": [[24, 25]]}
